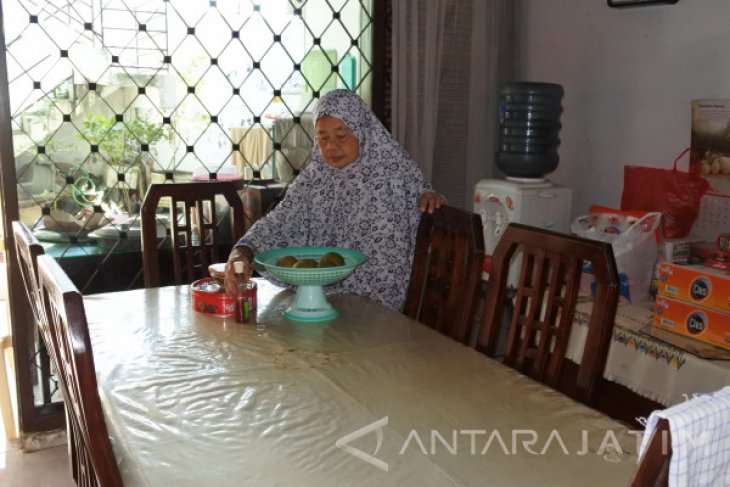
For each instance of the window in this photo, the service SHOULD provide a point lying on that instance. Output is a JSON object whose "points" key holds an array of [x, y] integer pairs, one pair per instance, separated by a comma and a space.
{"points": [[108, 97]]}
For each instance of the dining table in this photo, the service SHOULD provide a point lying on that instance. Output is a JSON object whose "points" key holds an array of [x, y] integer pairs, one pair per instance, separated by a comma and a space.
{"points": [[371, 397]]}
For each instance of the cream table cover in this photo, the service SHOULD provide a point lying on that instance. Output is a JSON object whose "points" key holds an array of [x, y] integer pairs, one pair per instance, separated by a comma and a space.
{"points": [[370, 398]]}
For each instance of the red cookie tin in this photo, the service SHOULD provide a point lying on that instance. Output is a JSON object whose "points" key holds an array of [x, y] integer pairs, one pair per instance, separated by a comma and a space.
{"points": [[209, 297]]}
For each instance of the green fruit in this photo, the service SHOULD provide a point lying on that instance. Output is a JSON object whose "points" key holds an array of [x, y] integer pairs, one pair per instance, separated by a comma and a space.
{"points": [[306, 264], [331, 259], [287, 261]]}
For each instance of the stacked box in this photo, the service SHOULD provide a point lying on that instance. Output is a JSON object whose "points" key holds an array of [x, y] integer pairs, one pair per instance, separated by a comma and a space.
{"points": [[694, 300], [678, 250], [696, 284], [704, 324]]}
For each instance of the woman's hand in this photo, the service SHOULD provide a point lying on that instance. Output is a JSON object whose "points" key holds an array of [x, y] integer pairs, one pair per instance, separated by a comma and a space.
{"points": [[430, 200], [240, 254]]}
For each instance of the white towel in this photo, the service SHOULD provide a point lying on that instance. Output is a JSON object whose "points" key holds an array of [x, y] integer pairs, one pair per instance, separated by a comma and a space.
{"points": [[700, 431]]}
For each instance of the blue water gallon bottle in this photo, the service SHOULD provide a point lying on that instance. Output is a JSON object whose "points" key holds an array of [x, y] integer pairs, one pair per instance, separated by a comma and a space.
{"points": [[529, 126]]}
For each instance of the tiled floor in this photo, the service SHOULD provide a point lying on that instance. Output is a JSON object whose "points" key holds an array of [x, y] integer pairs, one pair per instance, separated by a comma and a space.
{"points": [[43, 468]]}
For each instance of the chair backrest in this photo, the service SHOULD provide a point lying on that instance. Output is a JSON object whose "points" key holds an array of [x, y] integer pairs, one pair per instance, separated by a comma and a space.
{"points": [[546, 292], [93, 457], [194, 228], [28, 249], [653, 469], [446, 272]]}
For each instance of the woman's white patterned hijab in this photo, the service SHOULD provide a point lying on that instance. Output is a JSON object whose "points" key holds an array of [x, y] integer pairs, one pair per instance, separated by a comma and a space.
{"points": [[376, 143], [370, 205], [348, 107]]}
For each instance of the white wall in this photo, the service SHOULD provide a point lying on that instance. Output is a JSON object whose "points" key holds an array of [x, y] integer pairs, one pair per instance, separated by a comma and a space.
{"points": [[629, 76]]}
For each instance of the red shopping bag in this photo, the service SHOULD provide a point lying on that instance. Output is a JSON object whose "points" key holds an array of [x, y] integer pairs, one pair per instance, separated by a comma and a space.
{"points": [[675, 193]]}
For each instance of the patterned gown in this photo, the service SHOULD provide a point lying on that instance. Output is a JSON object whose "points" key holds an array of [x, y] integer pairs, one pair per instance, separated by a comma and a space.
{"points": [[370, 205]]}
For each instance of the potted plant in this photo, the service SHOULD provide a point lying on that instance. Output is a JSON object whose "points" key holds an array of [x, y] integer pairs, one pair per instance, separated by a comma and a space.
{"points": [[120, 147]]}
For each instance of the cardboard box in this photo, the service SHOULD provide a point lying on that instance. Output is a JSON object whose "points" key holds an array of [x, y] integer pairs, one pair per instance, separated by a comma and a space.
{"points": [[697, 284], [696, 322], [677, 250]]}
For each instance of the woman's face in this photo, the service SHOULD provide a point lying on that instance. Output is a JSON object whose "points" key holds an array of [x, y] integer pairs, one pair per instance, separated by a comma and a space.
{"points": [[337, 144]]}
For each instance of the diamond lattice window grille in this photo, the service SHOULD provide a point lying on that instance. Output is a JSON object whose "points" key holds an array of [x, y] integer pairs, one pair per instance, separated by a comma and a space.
{"points": [[110, 96]]}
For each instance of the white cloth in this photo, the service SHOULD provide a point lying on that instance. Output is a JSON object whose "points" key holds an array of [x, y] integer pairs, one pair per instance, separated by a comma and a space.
{"points": [[700, 431], [647, 365]]}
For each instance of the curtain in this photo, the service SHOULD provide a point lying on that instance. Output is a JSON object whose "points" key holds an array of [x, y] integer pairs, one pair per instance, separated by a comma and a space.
{"points": [[255, 150], [449, 59]]}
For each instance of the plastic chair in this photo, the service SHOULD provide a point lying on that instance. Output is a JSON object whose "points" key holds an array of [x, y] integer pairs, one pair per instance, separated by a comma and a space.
{"points": [[93, 460], [446, 272], [194, 228], [546, 292]]}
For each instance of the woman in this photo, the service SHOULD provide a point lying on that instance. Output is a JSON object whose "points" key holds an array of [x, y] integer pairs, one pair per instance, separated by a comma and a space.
{"points": [[361, 191]]}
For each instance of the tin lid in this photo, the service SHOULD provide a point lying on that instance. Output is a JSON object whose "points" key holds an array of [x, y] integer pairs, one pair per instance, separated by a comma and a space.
{"points": [[207, 286], [217, 271]]}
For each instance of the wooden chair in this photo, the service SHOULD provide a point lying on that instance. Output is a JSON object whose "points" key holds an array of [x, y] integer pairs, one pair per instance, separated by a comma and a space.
{"points": [[93, 458], [28, 249], [653, 469], [194, 228], [446, 272], [544, 306]]}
